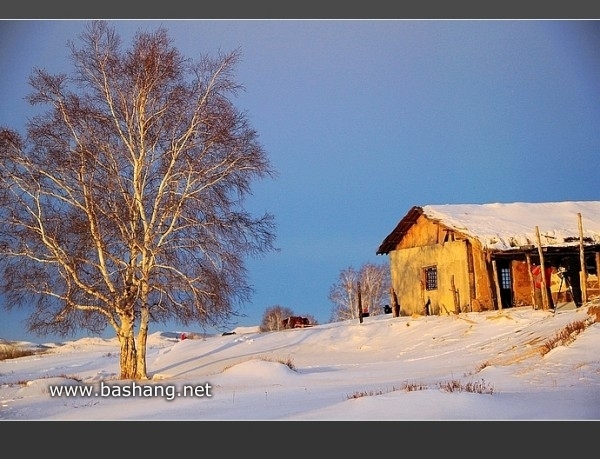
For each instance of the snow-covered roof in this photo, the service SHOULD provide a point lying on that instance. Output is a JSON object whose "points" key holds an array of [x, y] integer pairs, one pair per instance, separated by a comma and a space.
{"points": [[506, 226]]}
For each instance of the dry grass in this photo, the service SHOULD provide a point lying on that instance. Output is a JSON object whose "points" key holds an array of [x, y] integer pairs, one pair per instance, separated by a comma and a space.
{"points": [[482, 366], [14, 351], [288, 362], [368, 393], [594, 313], [410, 387], [407, 387], [479, 387], [568, 334], [24, 382]]}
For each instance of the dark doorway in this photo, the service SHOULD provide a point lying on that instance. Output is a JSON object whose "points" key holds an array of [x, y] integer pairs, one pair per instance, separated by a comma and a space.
{"points": [[570, 268], [505, 281]]}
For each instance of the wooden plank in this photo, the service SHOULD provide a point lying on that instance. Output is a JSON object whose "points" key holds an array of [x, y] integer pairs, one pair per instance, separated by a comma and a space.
{"points": [[531, 281], [582, 273], [455, 296], [497, 284], [360, 310], [545, 301]]}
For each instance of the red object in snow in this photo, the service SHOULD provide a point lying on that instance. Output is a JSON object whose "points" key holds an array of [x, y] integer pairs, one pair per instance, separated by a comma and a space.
{"points": [[537, 277], [183, 336]]}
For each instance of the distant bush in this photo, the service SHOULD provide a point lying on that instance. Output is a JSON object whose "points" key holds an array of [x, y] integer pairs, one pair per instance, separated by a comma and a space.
{"points": [[273, 316], [14, 351]]}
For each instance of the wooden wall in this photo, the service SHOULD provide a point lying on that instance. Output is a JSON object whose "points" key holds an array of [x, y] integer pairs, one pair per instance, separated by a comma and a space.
{"points": [[463, 277]]}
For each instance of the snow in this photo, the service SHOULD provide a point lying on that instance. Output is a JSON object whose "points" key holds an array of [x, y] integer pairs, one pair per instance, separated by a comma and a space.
{"points": [[504, 226], [386, 368]]}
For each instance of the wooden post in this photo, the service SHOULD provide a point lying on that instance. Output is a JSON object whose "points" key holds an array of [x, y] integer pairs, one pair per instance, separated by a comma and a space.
{"points": [[531, 281], [598, 269], [545, 302], [455, 296], [497, 284], [360, 311], [583, 272]]}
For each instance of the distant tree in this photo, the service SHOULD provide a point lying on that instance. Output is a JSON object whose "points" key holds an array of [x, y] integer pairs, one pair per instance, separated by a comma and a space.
{"points": [[344, 297], [273, 317], [374, 281], [124, 203]]}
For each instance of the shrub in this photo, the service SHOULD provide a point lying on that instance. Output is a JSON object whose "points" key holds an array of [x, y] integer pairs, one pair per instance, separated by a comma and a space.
{"points": [[14, 351], [594, 313], [479, 387], [565, 336]]}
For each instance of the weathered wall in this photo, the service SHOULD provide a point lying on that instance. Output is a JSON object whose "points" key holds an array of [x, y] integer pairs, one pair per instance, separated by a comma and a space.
{"points": [[483, 297], [457, 259], [521, 283], [408, 281]]}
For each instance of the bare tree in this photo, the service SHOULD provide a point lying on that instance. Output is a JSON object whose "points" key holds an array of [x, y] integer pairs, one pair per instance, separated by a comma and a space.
{"points": [[343, 296], [374, 281], [124, 203], [273, 318]]}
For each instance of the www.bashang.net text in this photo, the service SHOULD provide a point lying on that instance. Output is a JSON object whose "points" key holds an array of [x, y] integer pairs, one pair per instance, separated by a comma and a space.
{"points": [[167, 391]]}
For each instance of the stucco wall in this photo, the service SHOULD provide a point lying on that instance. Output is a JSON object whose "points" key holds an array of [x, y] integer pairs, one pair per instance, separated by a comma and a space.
{"points": [[407, 271]]}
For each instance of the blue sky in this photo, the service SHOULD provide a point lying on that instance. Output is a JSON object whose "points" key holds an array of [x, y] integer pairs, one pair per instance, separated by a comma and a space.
{"points": [[362, 119]]}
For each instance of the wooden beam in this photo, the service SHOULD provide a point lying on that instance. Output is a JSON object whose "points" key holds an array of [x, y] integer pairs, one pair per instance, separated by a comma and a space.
{"points": [[545, 302], [598, 268], [497, 284], [531, 281], [582, 273], [455, 297], [360, 310]]}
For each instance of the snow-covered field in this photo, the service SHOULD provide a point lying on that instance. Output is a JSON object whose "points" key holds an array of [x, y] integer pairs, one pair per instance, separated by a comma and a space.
{"points": [[471, 366]]}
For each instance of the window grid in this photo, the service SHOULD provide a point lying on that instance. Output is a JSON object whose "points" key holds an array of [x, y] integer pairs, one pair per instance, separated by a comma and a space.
{"points": [[431, 278], [505, 278]]}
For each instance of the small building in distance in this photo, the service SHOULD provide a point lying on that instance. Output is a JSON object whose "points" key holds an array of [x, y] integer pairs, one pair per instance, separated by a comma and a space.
{"points": [[456, 258]]}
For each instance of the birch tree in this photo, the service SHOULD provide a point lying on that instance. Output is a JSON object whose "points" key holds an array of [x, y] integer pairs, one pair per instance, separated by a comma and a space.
{"points": [[124, 203], [374, 282]]}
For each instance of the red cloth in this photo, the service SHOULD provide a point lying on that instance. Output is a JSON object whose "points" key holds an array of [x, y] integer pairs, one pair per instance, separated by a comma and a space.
{"points": [[537, 278]]}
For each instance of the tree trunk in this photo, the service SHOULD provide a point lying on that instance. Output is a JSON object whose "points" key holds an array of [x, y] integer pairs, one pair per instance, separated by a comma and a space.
{"points": [[141, 344], [128, 357]]}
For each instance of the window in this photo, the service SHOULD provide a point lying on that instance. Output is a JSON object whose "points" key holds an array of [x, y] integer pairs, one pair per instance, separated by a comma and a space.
{"points": [[431, 280], [505, 278]]}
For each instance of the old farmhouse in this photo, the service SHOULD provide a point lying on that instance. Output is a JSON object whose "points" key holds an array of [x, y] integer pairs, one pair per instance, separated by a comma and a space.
{"points": [[473, 257]]}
